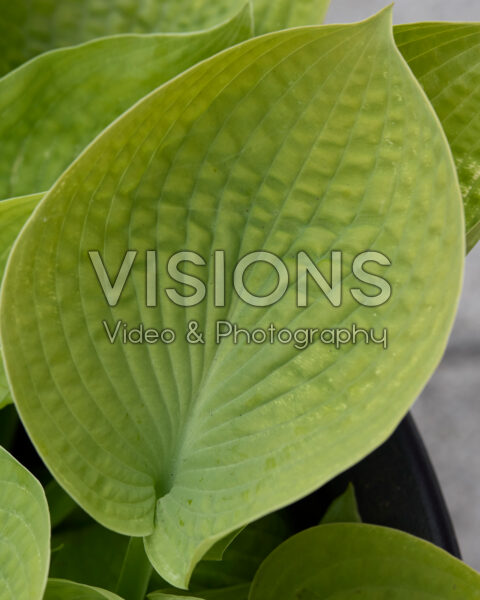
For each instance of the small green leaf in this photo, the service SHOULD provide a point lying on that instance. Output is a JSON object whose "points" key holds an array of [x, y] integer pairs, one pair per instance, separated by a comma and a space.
{"points": [[343, 509], [13, 216], [350, 561], [78, 92], [282, 14], [243, 557], [217, 551], [473, 236], [307, 140], [24, 532], [446, 59], [59, 589]]}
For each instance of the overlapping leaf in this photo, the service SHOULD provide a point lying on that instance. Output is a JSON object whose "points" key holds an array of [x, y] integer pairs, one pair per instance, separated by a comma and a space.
{"points": [[307, 140], [30, 27], [51, 108], [64, 80], [41, 138], [24, 533], [347, 561], [446, 59]]}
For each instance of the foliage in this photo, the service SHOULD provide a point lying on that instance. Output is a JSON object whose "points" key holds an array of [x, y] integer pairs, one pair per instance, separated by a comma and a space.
{"points": [[152, 127]]}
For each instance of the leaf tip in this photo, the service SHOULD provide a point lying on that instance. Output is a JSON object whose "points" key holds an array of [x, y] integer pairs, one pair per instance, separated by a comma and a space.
{"points": [[383, 18]]}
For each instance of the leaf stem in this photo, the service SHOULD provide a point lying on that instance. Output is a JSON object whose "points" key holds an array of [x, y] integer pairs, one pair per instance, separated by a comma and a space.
{"points": [[135, 573]]}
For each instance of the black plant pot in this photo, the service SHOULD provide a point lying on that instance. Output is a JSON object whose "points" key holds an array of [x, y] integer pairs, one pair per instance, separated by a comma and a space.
{"points": [[395, 486]]}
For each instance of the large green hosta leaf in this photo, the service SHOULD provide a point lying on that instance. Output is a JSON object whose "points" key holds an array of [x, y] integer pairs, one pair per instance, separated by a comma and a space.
{"points": [[51, 108], [446, 59], [58, 589], [349, 561], [308, 140], [13, 215], [24, 532]]}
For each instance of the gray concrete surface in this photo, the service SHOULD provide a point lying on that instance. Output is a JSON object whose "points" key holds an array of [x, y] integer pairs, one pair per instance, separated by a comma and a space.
{"points": [[448, 412], [406, 11]]}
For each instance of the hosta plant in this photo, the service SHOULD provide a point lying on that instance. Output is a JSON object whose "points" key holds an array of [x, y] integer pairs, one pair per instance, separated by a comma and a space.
{"points": [[232, 248]]}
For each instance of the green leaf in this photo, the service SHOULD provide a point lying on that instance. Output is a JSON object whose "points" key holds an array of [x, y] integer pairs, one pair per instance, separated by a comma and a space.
{"points": [[13, 215], [282, 14], [30, 27], [52, 107], [347, 561], [58, 589], [473, 236], [307, 140], [343, 509], [24, 532], [89, 554], [446, 59]]}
